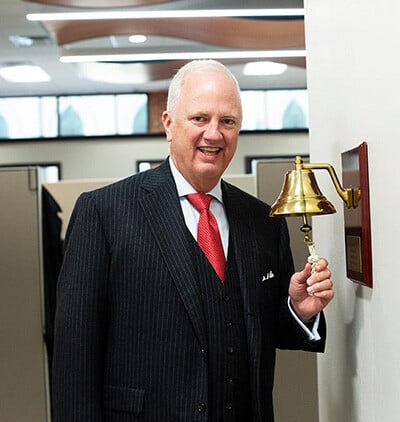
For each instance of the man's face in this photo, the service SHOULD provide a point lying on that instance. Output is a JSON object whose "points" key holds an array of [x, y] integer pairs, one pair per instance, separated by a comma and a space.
{"points": [[204, 131]]}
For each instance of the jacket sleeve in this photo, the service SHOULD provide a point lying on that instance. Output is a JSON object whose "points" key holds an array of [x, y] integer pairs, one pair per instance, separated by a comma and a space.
{"points": [[80, 318]]}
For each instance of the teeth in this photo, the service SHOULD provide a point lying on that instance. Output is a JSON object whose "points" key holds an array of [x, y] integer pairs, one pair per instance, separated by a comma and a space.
{"points": [[209, 149]]}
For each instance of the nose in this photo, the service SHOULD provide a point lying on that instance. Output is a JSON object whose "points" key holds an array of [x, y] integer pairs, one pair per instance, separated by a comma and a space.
{"points": [[212, 131]]}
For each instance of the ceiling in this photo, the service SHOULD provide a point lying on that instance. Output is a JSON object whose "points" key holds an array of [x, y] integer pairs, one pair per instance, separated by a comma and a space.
{"points": [[51, 39]]}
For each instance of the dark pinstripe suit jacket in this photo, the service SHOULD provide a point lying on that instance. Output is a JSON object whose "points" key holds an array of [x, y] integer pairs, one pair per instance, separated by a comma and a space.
{"points": [[130, 331]]}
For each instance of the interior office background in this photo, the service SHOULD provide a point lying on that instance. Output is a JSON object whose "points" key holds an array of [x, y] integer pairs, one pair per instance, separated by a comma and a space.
{"points": [[117, 156], [353, 64]]}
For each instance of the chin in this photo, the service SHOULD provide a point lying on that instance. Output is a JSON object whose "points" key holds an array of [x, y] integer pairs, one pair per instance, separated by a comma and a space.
{"points": [[210, 170]]}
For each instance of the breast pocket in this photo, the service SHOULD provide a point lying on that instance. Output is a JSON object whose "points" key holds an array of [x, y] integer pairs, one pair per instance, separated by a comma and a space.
{"points": [[123, 399], [268, 287]]}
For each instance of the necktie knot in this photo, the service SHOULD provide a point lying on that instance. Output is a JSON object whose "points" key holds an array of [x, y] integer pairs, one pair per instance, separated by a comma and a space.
{"points": [[201, 201]]}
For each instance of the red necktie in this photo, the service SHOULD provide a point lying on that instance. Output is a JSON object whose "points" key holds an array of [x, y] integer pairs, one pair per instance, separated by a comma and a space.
{"points": [[208, 236]]}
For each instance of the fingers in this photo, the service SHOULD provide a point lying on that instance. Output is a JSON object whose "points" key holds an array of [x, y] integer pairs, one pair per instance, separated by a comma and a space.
{"points": [[322, 290], [319, 283], [321, 264], [302, 277]]}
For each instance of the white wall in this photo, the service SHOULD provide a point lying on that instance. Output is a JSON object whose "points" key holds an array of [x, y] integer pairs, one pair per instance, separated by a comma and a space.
{"points": [[353, 80], [116, 158]]}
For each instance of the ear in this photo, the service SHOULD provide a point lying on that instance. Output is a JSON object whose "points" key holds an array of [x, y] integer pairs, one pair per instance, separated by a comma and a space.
{"points": [[167, 123]]}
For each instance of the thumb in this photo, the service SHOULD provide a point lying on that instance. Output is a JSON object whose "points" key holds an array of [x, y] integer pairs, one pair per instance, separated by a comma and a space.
{"points": [[302, 276]]}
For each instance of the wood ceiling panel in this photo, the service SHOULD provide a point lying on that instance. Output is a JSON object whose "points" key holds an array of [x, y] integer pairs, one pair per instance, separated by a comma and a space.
{"points": [[226, 32], [164, 70], [142, 73], [100, 3]]}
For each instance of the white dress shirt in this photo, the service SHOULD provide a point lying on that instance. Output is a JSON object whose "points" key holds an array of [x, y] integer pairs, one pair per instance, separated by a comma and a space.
{"points": [[192, 215]]}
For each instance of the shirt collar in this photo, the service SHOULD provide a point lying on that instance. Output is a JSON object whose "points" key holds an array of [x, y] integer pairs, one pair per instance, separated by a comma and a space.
{"points": [[185, 188]]}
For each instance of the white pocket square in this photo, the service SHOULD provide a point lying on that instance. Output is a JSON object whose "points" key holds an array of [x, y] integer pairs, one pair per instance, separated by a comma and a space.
{"points": [[268, 276]]}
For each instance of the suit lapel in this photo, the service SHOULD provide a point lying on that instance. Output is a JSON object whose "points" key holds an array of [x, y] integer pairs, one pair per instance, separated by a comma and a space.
{"points": [[161, 207]]}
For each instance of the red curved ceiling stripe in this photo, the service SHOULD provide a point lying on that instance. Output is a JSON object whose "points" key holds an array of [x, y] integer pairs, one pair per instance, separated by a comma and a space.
{"points": [[227, 32], [100, 3]]}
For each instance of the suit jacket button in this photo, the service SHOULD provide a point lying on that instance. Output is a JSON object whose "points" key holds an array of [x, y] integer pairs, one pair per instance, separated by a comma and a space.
{"points": [[201, 408]]}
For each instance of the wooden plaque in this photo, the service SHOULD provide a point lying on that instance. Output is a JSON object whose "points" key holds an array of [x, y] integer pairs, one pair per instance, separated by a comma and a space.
{"points": [[357, 220]]}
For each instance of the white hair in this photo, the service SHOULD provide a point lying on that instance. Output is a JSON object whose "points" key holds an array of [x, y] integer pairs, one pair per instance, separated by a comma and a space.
{"points": [[175, 86]]}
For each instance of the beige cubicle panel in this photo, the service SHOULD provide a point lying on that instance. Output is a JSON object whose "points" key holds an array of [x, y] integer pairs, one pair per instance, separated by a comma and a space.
{"points": [[23, 362], [66, 192], [24, 368], [296, 388]]}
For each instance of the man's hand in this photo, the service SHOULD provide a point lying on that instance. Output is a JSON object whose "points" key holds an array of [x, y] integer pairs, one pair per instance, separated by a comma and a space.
{"points": [[311, 293]]}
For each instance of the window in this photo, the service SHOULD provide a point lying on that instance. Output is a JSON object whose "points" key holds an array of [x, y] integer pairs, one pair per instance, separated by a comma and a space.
{"points": [[28, 117], [66, 116], [102, 115], [132, 114], [275, 109], [127, 114]]}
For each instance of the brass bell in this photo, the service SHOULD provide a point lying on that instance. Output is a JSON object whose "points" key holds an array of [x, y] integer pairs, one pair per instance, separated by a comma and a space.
{"points": [[300, 195]]}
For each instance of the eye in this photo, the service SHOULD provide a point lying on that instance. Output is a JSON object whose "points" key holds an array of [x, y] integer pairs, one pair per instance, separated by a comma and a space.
{"points": [[228, 121], [199, 119]]}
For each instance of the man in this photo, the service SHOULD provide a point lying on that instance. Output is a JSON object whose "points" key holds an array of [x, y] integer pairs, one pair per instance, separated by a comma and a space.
{"points": [[145, 328]]}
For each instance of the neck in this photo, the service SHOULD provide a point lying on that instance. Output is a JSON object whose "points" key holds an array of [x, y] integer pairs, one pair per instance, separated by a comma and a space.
{"points": [[202, 186]]}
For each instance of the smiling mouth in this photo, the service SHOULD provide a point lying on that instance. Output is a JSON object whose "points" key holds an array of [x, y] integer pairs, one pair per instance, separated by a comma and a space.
{"points": [[210, 150]]}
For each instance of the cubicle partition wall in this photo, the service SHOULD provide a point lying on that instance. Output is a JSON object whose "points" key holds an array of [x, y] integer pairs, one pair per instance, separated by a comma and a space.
{"points": [[24, 386]]}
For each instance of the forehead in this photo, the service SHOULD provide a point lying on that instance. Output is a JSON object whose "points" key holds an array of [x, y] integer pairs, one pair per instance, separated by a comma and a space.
{"points": [[210, 90]]}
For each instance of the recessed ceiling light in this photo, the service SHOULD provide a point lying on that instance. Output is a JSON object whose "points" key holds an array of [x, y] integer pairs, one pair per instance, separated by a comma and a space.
{"points": [[29, 40], [155, 14], [24, 73], [116, 73], [265, 68], [137, 39], [21, 40]]}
